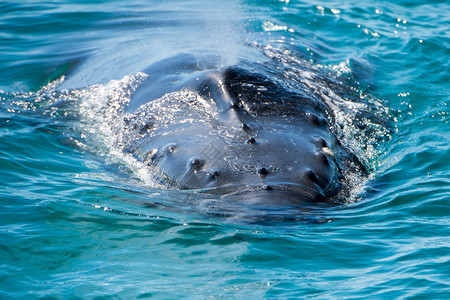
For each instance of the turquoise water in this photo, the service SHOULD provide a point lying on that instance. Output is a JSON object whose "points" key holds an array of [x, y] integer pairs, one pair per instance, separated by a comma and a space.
{"points": [[78, 222]]}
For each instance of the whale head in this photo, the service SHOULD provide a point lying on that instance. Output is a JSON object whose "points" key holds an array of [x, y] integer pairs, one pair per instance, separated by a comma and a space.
{"points": [[243, 136]]}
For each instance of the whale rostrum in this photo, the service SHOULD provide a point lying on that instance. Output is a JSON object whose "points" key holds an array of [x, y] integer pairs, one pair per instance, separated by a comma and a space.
{"points": [[237, 133]]}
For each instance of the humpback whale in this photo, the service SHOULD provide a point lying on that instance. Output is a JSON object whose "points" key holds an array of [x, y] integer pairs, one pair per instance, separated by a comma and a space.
{"points": [[237, 132]]}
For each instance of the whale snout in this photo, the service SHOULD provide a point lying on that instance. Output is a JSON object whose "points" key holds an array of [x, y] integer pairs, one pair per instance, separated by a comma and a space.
{"points": [[242, 136]]}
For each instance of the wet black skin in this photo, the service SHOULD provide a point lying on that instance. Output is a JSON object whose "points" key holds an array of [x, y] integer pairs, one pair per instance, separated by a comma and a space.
{"points": [[269, 144]]}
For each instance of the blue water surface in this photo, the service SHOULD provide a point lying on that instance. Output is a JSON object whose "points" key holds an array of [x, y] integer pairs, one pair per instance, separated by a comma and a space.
{"points": [[78, 223]]}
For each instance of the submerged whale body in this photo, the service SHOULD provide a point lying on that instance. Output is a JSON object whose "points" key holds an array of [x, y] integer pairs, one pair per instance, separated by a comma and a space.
{"points": [[236, 132]]}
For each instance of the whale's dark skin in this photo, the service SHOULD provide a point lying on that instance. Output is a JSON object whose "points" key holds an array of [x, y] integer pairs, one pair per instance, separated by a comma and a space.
{"points": [[238, 134]]}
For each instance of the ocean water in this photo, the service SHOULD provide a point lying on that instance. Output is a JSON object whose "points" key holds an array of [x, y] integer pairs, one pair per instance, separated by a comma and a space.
{"points": [[78, 220]]}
